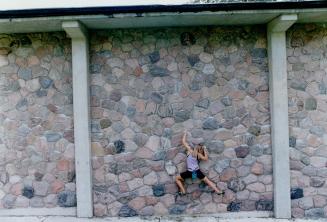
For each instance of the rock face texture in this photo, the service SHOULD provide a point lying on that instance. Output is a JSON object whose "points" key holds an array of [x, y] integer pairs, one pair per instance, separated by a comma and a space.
{"points": [[307, 66], [147, 86], [36, 121]]}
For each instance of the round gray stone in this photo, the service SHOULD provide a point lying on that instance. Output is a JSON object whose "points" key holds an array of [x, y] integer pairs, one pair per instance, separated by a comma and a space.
{"points": [[298, 85], [296, 193], [115, 95], [177, 209], [147, 211], [322, 88], [317, 181], [264, 205], [25, 73], [140, 139], [156, 98], [167, 133], [203, 103], [45, 82], [160, 155], [41, 93], [317, 130], [195, 85], [104, 53], [53, 137], [158, 190], [216, 146], [67, 199], [255, 130], [235, 184], [227, 101], [105, 123], [210, 123], [310, 104], [234, 206], [157, 71], [193, 59], [243, 84], [221, 165], [126, 211], [22, 105], [118, 127], [37, 202], [154, 57], [242, 151], [256, 150], [210, 80], [181, 116], [120, 146], [130, 111], [305, 160], [28, 192], [259, 52], [292, 141], [108, 104], [95, 68], [9, 201], [314, 213], [165, 110]]}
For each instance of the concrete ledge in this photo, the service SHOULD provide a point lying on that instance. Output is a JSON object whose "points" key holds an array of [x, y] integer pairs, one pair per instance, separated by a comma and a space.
{"points": [[233, 215], [157, 219], [70, 213], [49, 215], [22, 212]]}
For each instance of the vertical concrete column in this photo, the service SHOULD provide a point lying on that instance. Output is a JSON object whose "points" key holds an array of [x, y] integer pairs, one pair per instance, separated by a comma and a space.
{"points": [[276, 33], [80, 66]]}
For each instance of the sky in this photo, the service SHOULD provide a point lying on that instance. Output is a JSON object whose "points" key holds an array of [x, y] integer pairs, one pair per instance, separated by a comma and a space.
{"points": [[36, 4]]}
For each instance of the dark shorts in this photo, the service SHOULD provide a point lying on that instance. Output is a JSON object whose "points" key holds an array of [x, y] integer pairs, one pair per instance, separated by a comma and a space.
{"points": [[188, 174]]}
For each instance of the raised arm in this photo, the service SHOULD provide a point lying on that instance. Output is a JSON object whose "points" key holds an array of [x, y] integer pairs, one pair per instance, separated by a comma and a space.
{"points": [[185, 144]]}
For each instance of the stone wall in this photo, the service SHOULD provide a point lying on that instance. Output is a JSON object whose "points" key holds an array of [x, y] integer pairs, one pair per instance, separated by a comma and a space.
{"points": [[307, 65], [36, 124], [147, 86]]}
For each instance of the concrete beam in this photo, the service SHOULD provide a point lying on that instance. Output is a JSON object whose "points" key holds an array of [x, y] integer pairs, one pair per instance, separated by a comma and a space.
{"points": [[75, 30], [282, 23], [279, 113], [80, 65]]}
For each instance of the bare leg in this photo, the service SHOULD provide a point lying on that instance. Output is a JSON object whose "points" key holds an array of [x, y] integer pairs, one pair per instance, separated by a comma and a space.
{"points": [[179, 182], [212, 185]]}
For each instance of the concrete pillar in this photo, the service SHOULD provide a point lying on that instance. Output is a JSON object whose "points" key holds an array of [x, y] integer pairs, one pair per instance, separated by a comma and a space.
{"points": [[80, 65], [276, 33]]}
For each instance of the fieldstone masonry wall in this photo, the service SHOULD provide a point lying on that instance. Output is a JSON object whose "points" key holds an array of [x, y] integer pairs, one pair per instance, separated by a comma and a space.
{"points": [[307, 66], [36, 124], [147, 86]]}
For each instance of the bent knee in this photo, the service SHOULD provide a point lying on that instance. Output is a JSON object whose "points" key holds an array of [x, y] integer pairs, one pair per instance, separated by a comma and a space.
{"points": [[178, 178]]}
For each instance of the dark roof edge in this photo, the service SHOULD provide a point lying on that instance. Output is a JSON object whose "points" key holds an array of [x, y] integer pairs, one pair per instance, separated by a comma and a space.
{"points": [[29, 13]]}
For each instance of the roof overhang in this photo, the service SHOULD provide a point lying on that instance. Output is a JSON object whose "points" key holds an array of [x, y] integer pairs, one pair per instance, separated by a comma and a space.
{"points": [[48, 20]]}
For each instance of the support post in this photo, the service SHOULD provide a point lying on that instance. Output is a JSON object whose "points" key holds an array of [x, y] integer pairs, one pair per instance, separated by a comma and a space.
{"points": [[80, 66], [276, 33]]}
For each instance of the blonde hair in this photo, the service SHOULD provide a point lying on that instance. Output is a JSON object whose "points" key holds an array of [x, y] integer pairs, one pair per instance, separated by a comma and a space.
{"points": [[200, 148]]}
